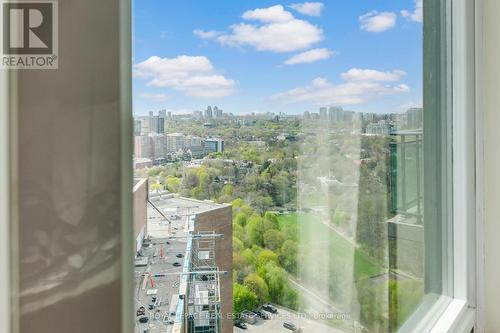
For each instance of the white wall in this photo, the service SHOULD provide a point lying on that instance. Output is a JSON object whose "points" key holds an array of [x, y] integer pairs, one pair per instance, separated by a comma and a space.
{"points": [[489, 103]]}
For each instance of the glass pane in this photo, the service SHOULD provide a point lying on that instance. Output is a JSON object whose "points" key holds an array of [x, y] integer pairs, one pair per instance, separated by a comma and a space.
{"points": [[297, 158]]}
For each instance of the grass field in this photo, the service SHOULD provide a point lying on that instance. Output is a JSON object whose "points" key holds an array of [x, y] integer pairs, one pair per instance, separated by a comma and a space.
{"points": [[316, 237]]}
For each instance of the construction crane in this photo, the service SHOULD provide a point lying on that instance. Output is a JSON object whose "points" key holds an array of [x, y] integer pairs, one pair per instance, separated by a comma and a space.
{"points": [[163, 215]]}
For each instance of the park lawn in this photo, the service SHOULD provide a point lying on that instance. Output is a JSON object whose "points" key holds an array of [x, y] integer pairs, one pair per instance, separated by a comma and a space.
{"points": [[313, 233]]}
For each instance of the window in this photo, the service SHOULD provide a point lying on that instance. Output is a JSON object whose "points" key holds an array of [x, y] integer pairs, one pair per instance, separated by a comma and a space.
{"points": [[338, 133]]}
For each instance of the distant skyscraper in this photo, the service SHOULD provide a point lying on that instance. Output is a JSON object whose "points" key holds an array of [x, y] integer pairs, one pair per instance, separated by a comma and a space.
{"points": [[137, 127], [323, 113], [349, 116], [217, 112], [209, 113], [157, 122]]}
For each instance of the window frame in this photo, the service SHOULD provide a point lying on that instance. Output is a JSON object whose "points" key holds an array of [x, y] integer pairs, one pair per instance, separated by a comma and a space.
{"points": [[457, 314]]}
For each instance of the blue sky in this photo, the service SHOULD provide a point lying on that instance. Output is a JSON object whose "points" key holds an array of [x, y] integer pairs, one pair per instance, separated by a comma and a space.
{"points": [[260, 56]]}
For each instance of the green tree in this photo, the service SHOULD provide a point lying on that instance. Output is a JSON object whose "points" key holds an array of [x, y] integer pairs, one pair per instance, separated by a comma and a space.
{"points": [[276, 279], [273, 239], [243, 298], [288, 256], [290, 298], [155, 187], [228, 190], [173, 184], [256, 284], [255, 230], [241, 219], [267, 256], [191, 180]]}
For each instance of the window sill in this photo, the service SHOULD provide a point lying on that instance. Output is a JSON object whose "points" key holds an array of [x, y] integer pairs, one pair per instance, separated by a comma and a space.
{"points": [[440, 314], [457, 318]]}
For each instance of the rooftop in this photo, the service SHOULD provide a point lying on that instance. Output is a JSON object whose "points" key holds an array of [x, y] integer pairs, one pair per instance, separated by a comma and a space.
{"points": [[161, 272]]}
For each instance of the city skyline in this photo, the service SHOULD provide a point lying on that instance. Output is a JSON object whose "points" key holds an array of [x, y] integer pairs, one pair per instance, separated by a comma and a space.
{"points": [[277, 56]]}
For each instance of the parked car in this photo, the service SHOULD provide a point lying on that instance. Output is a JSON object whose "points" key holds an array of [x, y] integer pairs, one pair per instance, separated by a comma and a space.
{"points": [[176, 264], [270, 308], [143, 320], [240, 324], [262, 314], [289, 326], [249, 317]]}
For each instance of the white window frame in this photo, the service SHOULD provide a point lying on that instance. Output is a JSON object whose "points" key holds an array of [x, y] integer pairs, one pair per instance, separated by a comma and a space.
{"points": [[460, 315], [457, 314]]}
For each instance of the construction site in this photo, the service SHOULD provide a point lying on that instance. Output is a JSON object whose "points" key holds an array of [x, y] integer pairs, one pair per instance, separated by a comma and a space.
{"points": [[183, 273]]}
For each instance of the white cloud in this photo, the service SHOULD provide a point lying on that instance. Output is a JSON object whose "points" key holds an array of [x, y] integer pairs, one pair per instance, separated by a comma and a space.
{"points": [[154, 97], [308, 8], [206, 34], [378, 22], [276, 30], [354, 90], [271, 14], [371, 75], [194, 76], [309, 56], [417, 14]]}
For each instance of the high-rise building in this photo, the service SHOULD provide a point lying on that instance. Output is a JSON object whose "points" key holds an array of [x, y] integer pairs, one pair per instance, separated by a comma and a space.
{"points": [[137, 127], [208, 112], [157, 142], [349, 116], [157, 122], [142, 146], [195, 145], [323, 113], [217, 112], [369, 117], [214, 145], [175, 142]]}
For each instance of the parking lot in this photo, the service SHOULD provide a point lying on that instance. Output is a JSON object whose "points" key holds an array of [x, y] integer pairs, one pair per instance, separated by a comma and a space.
{"points": [[275, 324]]}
